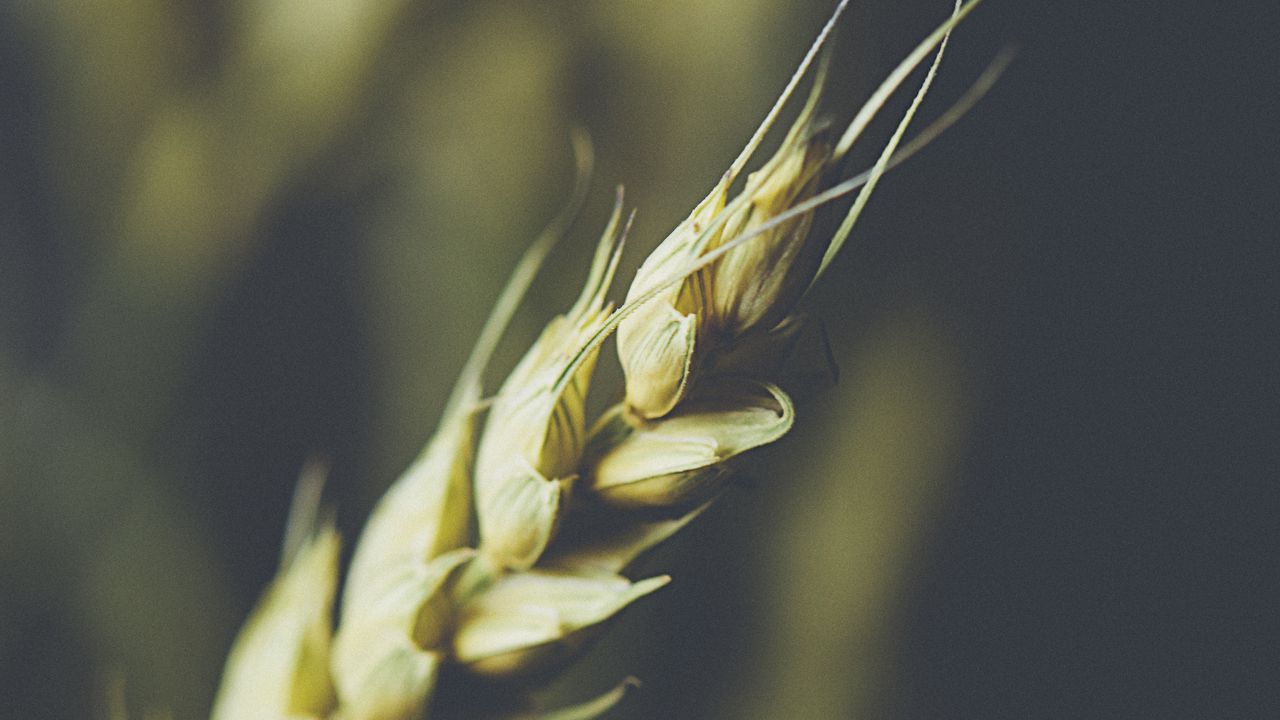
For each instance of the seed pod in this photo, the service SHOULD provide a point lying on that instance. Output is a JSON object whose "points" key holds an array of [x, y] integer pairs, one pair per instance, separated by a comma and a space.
{"points": [[679, 459], [528, 621], [424, 514], [533, 440], [386, 656], [656, 343], [278, 668], [755, 285]]}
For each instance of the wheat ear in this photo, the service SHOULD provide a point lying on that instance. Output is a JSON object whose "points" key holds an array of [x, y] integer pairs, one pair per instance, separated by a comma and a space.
{"points": [[563, 504]]}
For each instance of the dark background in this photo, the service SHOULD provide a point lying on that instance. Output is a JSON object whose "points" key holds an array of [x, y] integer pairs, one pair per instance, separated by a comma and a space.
{"points": [[1078, 280]]}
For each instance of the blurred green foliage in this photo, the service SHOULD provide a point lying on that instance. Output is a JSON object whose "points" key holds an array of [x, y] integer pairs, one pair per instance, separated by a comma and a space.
{"points": [[242, 232]]}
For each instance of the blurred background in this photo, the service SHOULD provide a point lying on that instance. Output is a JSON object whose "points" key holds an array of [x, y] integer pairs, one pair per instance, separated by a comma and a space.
{"points": [[235, 235]]}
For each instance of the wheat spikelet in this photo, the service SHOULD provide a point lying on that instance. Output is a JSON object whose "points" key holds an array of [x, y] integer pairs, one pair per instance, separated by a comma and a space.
{"points": [[563, 505]]}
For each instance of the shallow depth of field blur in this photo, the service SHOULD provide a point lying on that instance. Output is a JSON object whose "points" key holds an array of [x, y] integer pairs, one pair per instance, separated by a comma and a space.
{"points": [[238, 235]]}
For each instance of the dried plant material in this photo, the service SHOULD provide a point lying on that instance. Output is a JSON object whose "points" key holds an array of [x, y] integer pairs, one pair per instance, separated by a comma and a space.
{"points": [[660, 343], [738, 266], [385, 657], [708, 337], [279, 665], [656, 343], [422, 516], [680, 458], [528, 620], [758, 284], [534, 437], [394, 612]]}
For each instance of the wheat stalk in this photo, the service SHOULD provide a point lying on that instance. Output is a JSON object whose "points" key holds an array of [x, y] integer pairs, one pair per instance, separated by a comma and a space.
{"points": [[564, 506]]}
